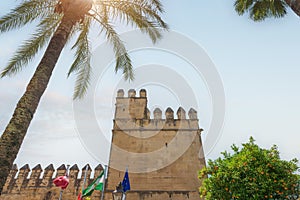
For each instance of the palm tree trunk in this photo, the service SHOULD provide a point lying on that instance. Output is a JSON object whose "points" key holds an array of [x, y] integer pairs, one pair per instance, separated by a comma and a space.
{"points": [[15, 131], [295, 6]]}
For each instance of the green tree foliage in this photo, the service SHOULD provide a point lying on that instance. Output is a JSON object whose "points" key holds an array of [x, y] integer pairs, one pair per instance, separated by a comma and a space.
{"points": [[250, 173], [259, 10]]}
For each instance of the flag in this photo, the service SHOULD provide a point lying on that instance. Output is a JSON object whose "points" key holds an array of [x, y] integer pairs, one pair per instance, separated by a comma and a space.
{"points": [[79, 196], [61, 181], [97, 184], [125, 182]]}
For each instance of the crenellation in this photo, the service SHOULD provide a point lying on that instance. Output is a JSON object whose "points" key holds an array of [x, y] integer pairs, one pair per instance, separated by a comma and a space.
{"points": [[34, 179], [157, 113], [61, 170], [98, 170], [73, 174], [10, 179], [87, 167], [131, 93], [74, 168], [49, 168], [148, 114], [192, 114], [38, 167], [181, 114], [120, 93], [143, 93], [169, 114], [132, 107], [22, 177], [85, 170], [47, 177], [33, 187]]}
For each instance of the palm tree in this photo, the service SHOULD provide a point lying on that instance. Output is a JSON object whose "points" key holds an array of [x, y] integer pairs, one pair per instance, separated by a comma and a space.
{"points": [[262, 9], [58, 21]]}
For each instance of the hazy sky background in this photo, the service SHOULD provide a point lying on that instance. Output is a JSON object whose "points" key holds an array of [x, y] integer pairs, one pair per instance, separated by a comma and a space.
{"points": [[258, 63]]}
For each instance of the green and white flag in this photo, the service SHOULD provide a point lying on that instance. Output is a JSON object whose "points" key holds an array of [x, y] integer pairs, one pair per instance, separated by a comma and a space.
{"points": [[97, 184]]}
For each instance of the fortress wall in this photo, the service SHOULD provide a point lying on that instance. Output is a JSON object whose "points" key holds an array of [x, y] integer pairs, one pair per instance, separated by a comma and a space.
{"points": [[42, 188]]}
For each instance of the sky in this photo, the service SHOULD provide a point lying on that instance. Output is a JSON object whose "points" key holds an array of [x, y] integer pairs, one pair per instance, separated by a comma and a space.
{"points": [[257, 64]]}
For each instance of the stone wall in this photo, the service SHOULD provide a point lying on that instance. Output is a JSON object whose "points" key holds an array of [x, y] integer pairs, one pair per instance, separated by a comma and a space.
{"points": [[31, 184]]}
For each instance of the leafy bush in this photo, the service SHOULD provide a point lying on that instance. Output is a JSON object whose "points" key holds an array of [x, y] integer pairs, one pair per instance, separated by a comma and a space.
{"points": [[250, 173]]}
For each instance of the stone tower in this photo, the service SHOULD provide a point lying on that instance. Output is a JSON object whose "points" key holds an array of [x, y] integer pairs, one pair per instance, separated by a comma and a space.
{"points": [[163, 156]]}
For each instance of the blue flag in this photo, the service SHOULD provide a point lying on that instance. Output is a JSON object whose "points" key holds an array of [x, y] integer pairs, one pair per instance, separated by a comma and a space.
{"points": [[125, 182]]}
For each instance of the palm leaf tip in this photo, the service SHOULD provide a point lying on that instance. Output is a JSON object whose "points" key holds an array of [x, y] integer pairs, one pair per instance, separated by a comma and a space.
{"points": [[25, 13], [128, 73], [279, 8], [82, 82], [124, 63], [4, 73]]}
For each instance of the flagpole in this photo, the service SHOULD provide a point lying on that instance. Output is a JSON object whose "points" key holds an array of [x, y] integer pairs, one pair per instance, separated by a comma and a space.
{"points": [[60, 194], [84, 179], [61, 190], [123, 196], [102, 193]]}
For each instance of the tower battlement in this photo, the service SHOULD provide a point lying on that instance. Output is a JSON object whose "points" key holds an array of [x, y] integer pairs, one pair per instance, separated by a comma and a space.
{"points": [[132, 114], [133, 107]]}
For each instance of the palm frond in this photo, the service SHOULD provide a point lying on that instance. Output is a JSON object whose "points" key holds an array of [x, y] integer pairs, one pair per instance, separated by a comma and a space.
{"points": [[264, 9], [25, 13], [123, 60], [241, 6], [82, 47], [81, 64], [157, 4], [154, 4], [278, 8], [139, 13], [82, 81], [30, 48], [142, 9], [261, 9]]}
